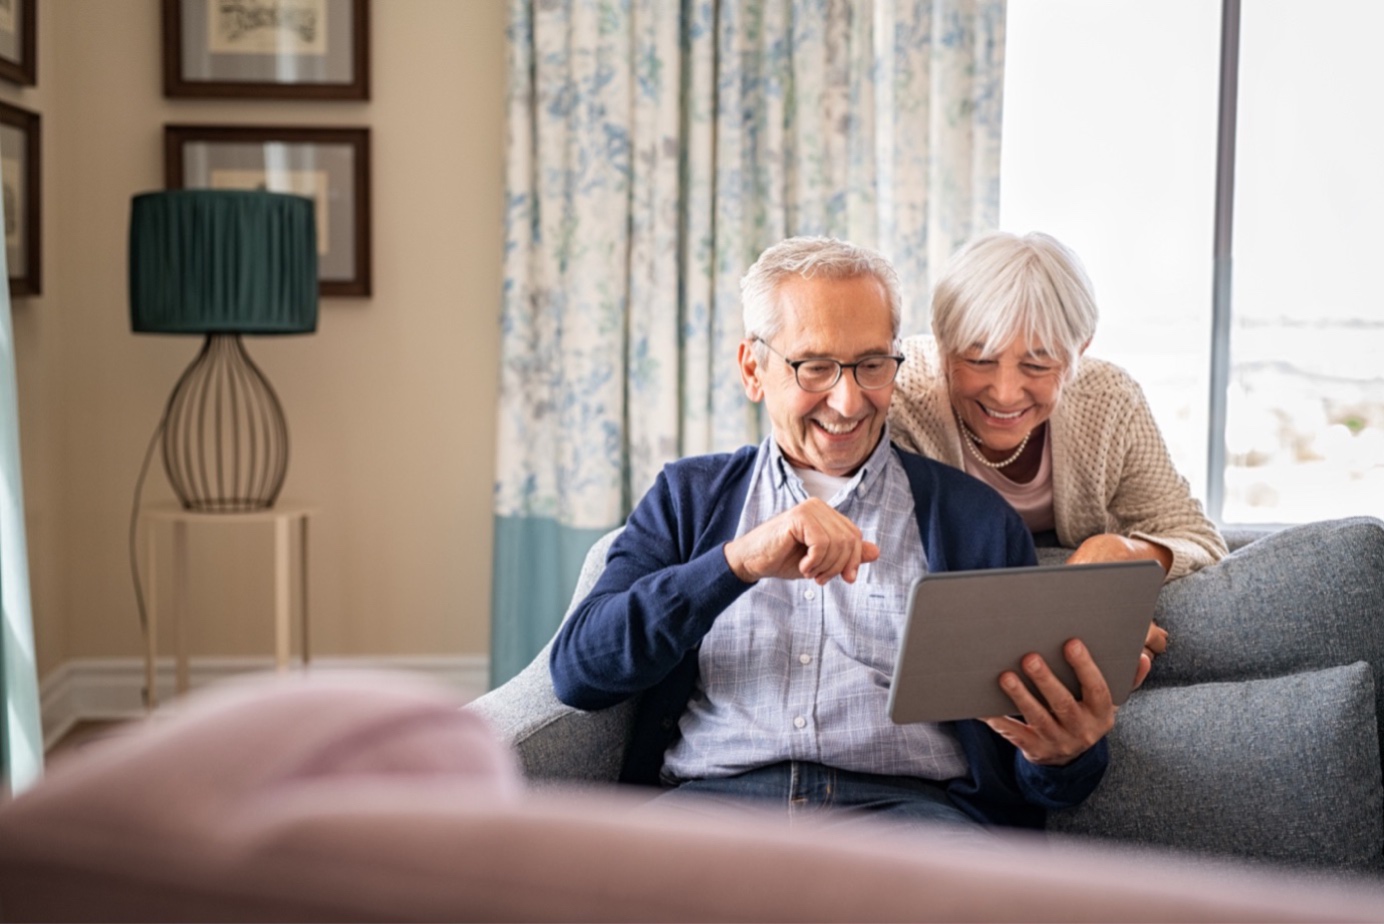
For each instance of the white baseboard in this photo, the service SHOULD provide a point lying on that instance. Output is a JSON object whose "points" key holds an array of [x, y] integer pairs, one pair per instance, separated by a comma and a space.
{"points": [[113, 688]]}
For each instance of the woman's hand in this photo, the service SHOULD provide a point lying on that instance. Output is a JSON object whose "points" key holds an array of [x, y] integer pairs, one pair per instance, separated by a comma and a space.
{"points": [[1110, 547], [1155, 643]]}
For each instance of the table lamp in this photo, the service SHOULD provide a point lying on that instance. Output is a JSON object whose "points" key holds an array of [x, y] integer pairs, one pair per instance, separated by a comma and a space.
{"points": [[223, 263]]}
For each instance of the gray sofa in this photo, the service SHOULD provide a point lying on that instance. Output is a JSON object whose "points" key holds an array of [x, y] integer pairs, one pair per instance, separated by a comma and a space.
{"points": [[1256, 735]]}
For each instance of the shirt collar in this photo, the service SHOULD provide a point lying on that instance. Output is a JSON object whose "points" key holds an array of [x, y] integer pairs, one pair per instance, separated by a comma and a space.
{"points": [[863, 482]]}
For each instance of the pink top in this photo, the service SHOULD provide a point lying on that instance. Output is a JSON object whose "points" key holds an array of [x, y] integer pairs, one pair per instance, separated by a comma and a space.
{"points": [[1033, 500]]}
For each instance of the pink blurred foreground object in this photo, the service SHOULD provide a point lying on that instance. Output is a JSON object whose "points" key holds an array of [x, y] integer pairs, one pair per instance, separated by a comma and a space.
{"points": [[368, 797]]}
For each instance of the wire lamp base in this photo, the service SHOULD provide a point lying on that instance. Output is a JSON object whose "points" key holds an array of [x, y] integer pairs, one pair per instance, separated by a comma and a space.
{"points": [[225, 439]]}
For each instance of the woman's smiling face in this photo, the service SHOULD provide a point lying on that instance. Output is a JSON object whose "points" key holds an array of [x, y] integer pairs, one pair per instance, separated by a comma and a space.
{"points": [[1006, 395]]}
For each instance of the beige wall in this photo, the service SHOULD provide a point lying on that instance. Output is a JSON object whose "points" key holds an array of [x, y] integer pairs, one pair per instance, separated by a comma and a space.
{"points": [[391, 404]]}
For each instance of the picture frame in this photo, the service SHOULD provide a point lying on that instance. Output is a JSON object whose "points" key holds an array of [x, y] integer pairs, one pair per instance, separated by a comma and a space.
{"points": [[20, 161], [266, 49], [329, 165], [19, 41]]}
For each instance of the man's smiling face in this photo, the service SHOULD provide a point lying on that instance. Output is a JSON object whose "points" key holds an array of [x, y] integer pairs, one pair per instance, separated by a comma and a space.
{"points": [[843, 319]]}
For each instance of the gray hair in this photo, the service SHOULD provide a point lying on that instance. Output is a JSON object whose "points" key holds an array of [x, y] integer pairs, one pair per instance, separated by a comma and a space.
{"points": [[1004, 287], [808, 257]]}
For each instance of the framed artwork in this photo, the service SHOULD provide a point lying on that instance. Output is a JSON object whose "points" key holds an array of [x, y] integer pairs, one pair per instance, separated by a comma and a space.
{"points": [[18, 48], [19, 173], [331, 166], [268, 49]]}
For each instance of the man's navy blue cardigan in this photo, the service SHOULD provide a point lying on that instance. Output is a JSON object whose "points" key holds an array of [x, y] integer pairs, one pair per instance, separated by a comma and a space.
{"points": [[667, 579]]}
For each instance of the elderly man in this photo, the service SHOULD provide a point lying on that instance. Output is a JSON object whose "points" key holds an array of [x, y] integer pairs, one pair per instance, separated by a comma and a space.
{"points": [[757, 597]]}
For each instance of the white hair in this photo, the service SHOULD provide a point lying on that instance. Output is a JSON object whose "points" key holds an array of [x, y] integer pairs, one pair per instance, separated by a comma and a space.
{"points": [[808, 257], [1002, 287]]}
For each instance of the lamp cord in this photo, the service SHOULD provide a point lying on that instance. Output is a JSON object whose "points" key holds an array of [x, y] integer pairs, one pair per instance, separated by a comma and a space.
{"points": [[134, 528]]}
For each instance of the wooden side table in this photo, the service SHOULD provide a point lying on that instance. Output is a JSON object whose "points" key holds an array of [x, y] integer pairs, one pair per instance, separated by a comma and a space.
{"points": [[283, 517]]}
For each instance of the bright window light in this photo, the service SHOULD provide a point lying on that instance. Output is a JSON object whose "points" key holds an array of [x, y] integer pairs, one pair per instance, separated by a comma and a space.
{"points": [[1110, 145], [1305, 428]]}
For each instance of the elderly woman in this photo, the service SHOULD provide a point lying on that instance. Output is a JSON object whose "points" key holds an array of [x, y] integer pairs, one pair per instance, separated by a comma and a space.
{"points": [[1002, 391]]}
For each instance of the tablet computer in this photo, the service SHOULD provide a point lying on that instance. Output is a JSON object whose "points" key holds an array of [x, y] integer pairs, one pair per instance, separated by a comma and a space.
{"points": [[965, 628]]}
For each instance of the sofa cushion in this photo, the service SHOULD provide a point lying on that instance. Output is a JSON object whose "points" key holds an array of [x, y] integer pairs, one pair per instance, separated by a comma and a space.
{"points": [[1283, 769], [1303, 598]]}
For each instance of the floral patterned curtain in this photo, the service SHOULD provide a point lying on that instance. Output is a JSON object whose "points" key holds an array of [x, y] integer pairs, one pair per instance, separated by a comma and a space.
{"points": [[655, 148]]}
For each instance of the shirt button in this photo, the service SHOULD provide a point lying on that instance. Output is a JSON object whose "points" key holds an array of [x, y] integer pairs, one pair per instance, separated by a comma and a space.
{"points": [[805, 658], [800, 722], [809, 594]]}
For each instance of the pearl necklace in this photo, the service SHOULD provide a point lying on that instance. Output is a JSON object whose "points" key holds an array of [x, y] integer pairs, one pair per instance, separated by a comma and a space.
{"points": [[973, 443]]}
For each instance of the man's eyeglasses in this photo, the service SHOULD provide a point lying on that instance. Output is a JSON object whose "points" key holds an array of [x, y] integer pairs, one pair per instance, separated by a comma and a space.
{"points": [[817, 375]]}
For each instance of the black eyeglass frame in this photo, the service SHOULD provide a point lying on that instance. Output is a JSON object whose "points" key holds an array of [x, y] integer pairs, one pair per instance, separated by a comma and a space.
{"points": [[795, 364]]}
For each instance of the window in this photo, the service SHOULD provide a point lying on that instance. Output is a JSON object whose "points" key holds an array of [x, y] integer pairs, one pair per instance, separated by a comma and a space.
{"points": [[1305, 409], [1110, 145]]}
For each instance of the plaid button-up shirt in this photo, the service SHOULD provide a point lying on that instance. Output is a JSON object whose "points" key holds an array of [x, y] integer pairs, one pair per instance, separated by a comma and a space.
{"points": [[797, 671]]}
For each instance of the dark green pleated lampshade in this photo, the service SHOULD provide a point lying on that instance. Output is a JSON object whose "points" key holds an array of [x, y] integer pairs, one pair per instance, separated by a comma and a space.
{"points": [[222, 261]]}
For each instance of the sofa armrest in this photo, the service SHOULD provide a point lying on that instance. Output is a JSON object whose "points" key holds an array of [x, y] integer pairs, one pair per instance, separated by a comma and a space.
{"points": [[553, 740]]}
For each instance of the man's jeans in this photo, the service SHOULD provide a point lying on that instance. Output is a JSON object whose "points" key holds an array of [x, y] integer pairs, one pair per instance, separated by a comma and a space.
{"points": [[824, 794]]}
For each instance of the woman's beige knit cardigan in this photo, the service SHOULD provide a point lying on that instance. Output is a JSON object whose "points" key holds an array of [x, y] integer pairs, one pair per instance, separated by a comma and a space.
{"points": [[1111, 472]]}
